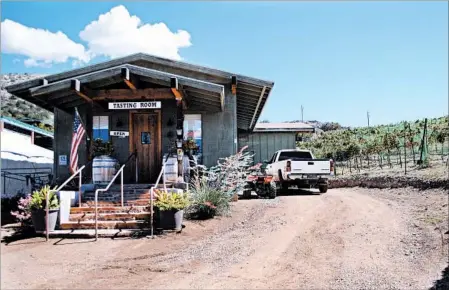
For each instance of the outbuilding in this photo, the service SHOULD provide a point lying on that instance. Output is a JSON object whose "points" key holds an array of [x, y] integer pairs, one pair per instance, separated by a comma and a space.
{"points": [[267, 138]]}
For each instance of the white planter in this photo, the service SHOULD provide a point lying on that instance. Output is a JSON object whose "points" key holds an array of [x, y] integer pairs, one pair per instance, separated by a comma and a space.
{"points": [[67, 199]]}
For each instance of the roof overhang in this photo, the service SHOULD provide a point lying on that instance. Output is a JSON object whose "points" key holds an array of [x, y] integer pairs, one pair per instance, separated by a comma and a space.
{"points": [[284, 127], [204, 86], [293, 130]]}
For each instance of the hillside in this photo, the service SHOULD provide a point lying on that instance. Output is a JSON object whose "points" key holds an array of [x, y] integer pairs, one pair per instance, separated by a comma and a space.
{"points": [[18, 108]]}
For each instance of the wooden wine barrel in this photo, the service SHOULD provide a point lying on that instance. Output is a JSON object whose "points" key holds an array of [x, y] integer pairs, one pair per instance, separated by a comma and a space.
{"points": [[103, 169], [171, 169]]}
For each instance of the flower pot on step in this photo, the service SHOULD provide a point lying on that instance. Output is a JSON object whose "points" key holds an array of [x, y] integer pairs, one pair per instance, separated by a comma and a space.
{"points": [[39, 222]]}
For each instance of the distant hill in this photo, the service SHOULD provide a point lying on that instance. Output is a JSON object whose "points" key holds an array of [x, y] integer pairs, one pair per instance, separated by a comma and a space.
{"points": [[325, 126], [18, 108]]}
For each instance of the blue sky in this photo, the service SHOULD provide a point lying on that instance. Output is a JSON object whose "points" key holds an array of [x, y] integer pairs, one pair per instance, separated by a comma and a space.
{"points": [[337, 59]]}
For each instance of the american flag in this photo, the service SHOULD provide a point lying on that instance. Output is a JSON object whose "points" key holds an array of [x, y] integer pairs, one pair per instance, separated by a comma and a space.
{"points": [[77, 136]]}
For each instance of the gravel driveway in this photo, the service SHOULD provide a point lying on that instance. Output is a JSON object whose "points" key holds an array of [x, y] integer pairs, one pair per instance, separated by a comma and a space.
{"points": [[344, 239]]}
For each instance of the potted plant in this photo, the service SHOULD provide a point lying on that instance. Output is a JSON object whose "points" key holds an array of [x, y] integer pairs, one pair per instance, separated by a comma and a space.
{"points": [[170, 209], [190, 147], [37, 206], [104, 165]]}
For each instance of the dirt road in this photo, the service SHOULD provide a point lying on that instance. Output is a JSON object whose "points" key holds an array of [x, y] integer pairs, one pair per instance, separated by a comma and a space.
{"points": [[344, 239]]}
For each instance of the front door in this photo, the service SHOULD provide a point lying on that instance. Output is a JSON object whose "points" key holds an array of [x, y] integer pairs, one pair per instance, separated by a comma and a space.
{"points": [[145, 139]]}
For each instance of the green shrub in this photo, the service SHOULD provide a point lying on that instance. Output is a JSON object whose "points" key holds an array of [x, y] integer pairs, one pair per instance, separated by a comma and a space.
{"points": [[38, 199], [169, 201], [208, 200]]}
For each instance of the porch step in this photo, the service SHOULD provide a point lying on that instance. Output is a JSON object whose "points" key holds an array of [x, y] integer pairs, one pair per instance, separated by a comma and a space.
{"points": [[104, 225], [117, 203], [115, 196], [109, 209], [119, 216]]}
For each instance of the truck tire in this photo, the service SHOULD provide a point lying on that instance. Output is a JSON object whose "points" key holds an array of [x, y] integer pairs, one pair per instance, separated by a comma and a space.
{"points": [[323, 188], [283, 185], [272, 190]]}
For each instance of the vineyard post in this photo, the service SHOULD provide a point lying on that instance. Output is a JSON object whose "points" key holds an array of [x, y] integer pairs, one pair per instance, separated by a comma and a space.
{"points": [[412, 139], [423, 141], [405, 149]]}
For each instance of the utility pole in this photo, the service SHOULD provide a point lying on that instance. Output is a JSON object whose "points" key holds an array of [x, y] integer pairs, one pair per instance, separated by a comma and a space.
{"points": [[367, 116], [302, 114]]}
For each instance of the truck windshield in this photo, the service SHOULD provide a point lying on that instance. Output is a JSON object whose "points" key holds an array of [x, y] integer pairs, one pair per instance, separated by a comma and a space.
{"points": [[294, 155]]}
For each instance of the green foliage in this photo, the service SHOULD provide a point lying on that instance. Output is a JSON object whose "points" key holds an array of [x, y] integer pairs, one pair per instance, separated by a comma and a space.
{"points": [[20, 109], [344, 144], [169, 201], [208, 199], [102, 148], [330, 126], [38, 199]]}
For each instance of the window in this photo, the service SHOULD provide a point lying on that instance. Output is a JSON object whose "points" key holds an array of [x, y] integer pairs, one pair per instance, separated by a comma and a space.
{"points": [[101, 128], [145, 138], [192, 131], [294, 155]]}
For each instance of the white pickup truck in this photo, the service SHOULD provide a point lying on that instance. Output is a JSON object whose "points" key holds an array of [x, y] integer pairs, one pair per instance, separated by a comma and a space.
{"points": [[299, 168]]}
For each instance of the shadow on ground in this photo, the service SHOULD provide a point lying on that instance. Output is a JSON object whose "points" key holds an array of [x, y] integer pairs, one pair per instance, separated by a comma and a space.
{"points": [[286, 192], [27, 235], [295, 191], [443, 283], [20, 233]]}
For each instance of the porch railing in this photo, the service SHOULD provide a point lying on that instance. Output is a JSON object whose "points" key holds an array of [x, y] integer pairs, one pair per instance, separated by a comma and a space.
{"points": [[47, 196], [161, 174], [120, 171]]}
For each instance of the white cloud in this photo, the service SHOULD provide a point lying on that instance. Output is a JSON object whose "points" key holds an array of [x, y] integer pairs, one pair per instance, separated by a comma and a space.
{"points": [[117, 33], [42, 47], [114, 34]]}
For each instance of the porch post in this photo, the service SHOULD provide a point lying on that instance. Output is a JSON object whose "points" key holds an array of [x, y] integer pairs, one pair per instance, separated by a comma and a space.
{"points": [[179, 133], [89, 128], [179, 125]]}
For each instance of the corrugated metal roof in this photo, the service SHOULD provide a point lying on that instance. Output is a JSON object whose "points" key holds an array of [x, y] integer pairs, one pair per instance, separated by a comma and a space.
{"points": [[278, 127], [252, 93]]}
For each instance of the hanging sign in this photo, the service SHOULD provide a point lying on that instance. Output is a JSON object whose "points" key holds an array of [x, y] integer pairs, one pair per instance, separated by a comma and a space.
{"points": [[134, 105], [121, 134]]}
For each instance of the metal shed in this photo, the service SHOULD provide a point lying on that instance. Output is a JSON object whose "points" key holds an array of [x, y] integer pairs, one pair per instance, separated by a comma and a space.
{"points": [[267, 138]]}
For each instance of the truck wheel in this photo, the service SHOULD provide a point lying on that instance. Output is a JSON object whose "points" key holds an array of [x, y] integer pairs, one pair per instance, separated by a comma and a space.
{"points": [[283, 185], [272, 190], [323, 188], [247, 193]]}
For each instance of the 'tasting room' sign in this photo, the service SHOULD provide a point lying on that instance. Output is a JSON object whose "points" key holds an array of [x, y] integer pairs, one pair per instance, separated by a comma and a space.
{"points": [[134, 105]]}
